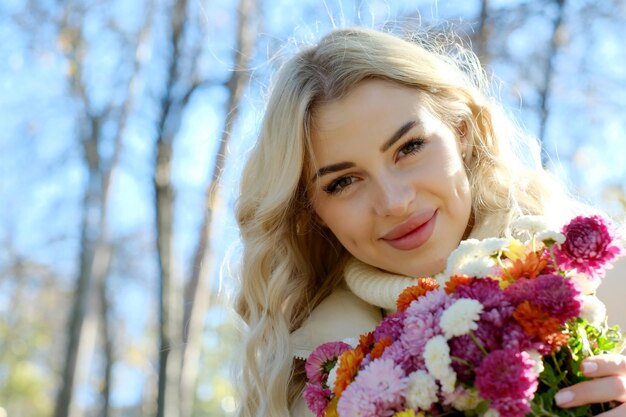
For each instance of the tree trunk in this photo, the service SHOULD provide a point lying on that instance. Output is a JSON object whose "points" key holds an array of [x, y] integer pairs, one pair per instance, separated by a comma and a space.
{"points": [[484, 32], [197, 289], [547, 80], [168, 402]]}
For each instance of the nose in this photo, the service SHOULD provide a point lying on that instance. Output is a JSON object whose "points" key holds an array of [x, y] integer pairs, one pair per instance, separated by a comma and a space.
{"points": [[393, 197]]}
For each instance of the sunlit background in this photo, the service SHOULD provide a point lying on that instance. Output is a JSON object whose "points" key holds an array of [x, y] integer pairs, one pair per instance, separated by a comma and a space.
{"points": [[114, 111]]}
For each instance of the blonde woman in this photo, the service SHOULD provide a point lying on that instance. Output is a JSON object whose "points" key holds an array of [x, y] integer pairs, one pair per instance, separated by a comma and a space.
{"points": [[376, 157]]}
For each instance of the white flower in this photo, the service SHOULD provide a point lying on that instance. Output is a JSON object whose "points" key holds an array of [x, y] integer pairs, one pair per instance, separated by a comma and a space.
{"points": [[479, 267], [460, 317], [437, 359], [585, 284], [332, 376], [421, 390], [537, 359], [530, 224], [351, 341], [441, 279], [594, 310], [491, 246], [491, 413], [550, 235], [467, 399], [468, 249]]}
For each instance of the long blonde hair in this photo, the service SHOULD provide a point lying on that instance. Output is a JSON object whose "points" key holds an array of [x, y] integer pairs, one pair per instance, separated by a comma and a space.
{"points": [[289, 263]]}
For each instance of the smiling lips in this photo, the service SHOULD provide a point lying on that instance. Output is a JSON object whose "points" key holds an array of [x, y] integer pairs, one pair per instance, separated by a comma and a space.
{"points": [[414, 232]]}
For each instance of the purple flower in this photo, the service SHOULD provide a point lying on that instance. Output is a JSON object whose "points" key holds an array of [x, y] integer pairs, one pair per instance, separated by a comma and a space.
{"points": [[391, 326], [554, 294], [558, 296], [323, 359], [589, 245], [317, 398], [376, 391], [485, 290], [506, 375]]}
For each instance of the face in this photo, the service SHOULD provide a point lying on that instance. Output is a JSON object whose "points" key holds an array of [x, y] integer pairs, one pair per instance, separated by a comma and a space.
{"points": [[389, 180]]}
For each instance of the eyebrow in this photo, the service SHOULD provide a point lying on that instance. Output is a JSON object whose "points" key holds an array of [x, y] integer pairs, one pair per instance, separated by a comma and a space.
{"points": [[329, 169], [333, 168], [396, 136]]}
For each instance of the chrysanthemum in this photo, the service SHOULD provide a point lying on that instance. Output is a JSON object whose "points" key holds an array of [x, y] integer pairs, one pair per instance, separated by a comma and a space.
{"points": [[467, 249], [550, 237], [486, 291], [422, 321], [421, 391], [463, 399], [478, 267], [379, 347], [539, 324], [593, 310], [589, 245], [391, 326], [323, 359], [558, 296], [438, 361], [531, 224], [506, 375], [349, 363], [460, 317], [316, 398], [528, 267], [376, 391], [414, 292], [456, 280]]}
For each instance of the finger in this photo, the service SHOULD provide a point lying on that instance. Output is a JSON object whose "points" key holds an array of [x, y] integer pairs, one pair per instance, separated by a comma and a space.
{"points": [[604, 365], [615, 412], [599, 390]]}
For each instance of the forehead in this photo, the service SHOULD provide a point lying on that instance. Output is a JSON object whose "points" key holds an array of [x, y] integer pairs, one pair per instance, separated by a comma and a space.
{"points": [[365, 118], [369, 104]]}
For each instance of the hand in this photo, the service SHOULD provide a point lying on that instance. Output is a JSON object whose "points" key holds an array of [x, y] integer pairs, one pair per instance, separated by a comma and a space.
{"points": [[608, 384]]}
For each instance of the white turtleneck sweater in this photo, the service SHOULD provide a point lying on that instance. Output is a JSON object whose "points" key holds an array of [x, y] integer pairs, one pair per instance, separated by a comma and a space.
{"points": [[347, 313]]}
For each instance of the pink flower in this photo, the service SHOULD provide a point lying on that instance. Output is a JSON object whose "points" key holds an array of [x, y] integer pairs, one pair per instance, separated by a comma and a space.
{"points": [[506, 376], [511, 407], [322, 360], [376, 391], [317, 398], [589, 245]]}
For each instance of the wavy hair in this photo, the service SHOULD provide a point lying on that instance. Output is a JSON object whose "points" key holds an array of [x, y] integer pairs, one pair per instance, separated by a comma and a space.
{"points": [[289, 263]]}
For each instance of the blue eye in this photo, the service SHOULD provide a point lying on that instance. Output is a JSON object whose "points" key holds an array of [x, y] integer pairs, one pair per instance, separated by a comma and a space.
{"points": [[411, 147], [339, 185]]}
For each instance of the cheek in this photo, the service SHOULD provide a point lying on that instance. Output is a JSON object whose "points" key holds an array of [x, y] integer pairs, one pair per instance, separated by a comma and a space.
{"points": [[345, 221]]}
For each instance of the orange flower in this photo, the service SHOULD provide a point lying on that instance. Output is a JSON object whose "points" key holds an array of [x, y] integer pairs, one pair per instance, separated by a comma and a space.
{"points": [[455, 281], [529, 267], [366, 343], [331, 408], [380, 347], [414, 292], [537, 323], [349, 363]]}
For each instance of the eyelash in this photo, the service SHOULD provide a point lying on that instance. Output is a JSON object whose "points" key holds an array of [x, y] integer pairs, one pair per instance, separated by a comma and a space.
{"points": [[414, 145]]}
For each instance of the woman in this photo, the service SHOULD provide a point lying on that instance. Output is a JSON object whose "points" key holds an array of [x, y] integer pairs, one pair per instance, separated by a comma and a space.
{"points": [[376, 157]]}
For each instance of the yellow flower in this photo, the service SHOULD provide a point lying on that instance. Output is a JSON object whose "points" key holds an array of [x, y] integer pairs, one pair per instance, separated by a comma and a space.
{"points": [[515, 250], [331, 409]]}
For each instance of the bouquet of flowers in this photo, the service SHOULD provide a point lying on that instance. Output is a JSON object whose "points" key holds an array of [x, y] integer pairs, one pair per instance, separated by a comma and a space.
{"points": [[498, 333]]}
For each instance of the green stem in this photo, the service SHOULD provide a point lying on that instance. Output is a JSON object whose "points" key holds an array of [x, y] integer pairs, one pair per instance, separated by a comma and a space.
{"points": [[480, 346]]}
